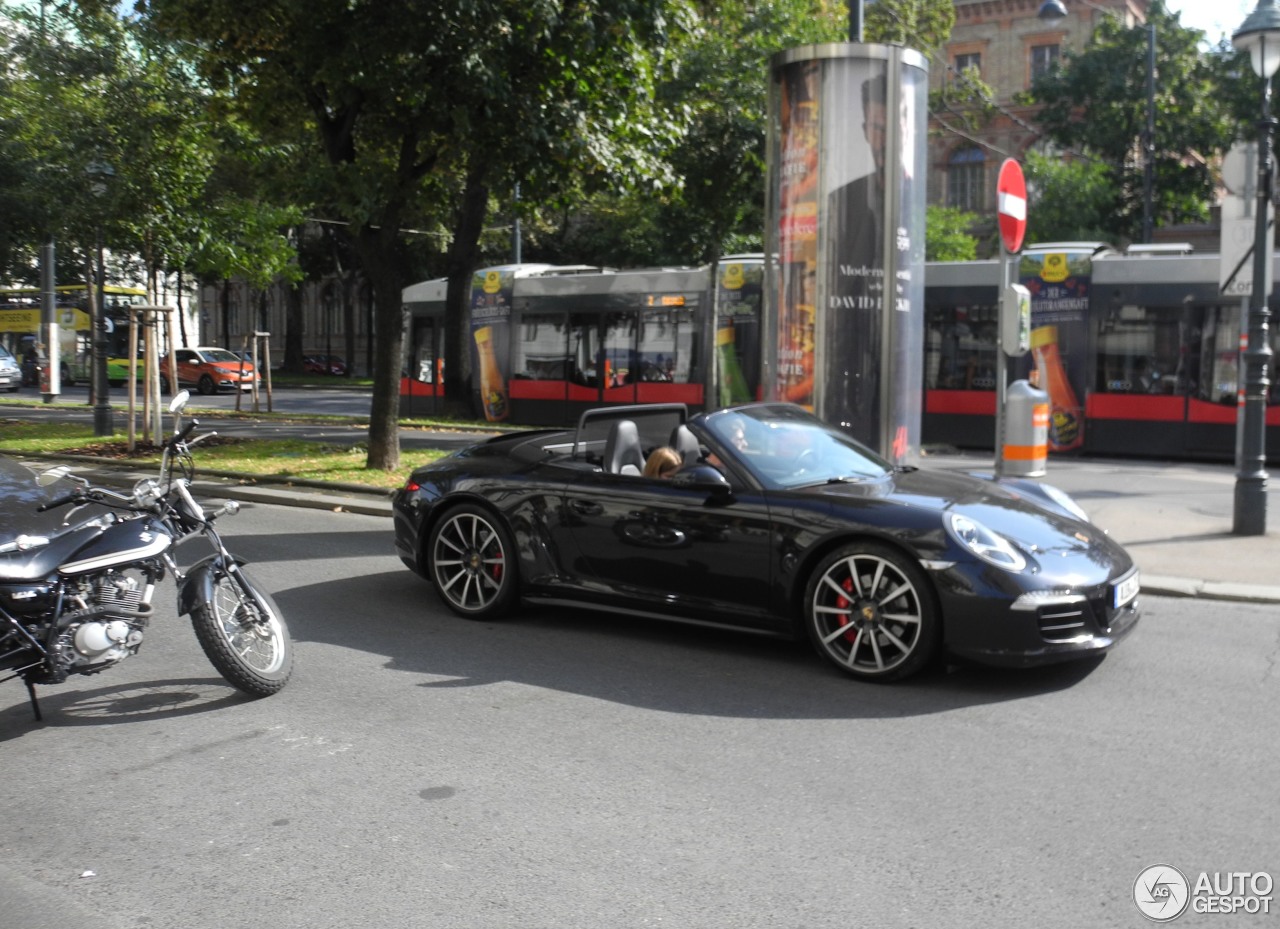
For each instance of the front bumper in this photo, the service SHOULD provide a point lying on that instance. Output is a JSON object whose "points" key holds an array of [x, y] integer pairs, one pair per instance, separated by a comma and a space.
{"points": [[1027, 628]]}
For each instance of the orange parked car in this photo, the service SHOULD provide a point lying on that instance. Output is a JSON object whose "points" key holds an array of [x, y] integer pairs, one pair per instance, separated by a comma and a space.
{"points": [[209, 370]]}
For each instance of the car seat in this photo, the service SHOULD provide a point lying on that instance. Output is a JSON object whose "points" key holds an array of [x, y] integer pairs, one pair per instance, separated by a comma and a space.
{"points": [[686, 444], [622, 452]]}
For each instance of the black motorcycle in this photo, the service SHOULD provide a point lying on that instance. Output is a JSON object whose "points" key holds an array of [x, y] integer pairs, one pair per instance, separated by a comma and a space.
{"points": [[76, 598]]}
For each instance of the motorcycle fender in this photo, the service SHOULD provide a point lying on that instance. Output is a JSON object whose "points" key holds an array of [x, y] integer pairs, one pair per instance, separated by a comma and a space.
{"points": [[197, 586]]}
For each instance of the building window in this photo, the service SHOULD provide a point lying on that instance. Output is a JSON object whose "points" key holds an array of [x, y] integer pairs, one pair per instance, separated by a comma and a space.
{"points": [[969, 60], [966, 173], [1044, 58]]}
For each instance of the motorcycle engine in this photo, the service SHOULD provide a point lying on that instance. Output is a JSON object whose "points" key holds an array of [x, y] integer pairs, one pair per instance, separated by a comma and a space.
{"points": [[114, 615]]}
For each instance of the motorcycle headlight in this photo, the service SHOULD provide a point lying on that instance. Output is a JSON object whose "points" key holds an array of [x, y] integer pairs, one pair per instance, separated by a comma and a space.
{"points": [[146, 492], [992, 548]]}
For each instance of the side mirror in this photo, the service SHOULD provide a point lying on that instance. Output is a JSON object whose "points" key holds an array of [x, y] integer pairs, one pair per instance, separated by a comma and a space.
{"points": [[704, 477], [179, 401]]}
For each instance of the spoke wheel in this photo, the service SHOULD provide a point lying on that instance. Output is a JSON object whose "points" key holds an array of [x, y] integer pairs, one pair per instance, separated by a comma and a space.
{"points": [[249, 645], [870, 612], [473, 564]]}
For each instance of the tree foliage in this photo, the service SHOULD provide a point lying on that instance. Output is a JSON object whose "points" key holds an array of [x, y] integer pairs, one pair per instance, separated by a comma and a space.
{"points": [[948, 236], [1095, 104], [1069, 200], [423, 109]]}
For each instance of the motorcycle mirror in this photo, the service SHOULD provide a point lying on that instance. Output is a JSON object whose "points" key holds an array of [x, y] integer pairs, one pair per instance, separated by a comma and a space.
{"points": [[52, 476], [179, 401]]}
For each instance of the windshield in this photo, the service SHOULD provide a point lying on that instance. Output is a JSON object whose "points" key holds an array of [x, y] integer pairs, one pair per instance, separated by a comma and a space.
{"points": [[784, 446], [220, 354], [5, 355]]}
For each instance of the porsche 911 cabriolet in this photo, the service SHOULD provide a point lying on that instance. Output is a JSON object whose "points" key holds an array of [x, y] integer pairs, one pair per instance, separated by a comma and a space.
{"points": [[775, 522]]}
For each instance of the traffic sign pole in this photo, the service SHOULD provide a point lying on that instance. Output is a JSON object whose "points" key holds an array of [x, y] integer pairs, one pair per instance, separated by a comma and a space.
{"points": [[1011, 215]]}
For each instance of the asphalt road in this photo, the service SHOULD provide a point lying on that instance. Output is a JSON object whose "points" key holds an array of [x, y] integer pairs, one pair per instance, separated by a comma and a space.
{"points": [[575, 770]]}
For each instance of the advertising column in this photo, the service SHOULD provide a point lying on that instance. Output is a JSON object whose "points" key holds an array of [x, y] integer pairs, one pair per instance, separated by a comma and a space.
{"points": [[845, 220]]}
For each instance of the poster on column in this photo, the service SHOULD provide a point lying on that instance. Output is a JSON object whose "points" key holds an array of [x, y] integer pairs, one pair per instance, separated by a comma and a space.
{"points": [[491, 291], [874, 242], [797, 232]]}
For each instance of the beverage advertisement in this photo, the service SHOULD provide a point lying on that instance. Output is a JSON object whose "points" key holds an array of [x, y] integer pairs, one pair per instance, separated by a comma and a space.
{"points": [[739, 284], [797, 232], [1059, 286], [491, 291]]}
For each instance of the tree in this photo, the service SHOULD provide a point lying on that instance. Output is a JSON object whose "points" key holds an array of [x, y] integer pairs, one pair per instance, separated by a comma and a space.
{"points": [[1069, 200], [948, 236], [422, 109], [1095, 104]]}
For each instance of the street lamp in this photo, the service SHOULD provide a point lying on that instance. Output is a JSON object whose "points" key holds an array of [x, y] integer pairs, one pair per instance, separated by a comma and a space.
{"points": [[1259, 35], [1054, 10], [100, 175]]}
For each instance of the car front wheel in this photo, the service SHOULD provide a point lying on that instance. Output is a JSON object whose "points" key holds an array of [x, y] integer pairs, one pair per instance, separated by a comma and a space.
{"points": [[870, 612], [472, 563]]}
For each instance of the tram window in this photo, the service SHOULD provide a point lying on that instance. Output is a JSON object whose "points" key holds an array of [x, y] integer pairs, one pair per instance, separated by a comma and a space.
{"points": [[584, 348], [1139, 352], [960, 351], [620, 349], [666, 346], [541, 352], [1219, 355]]}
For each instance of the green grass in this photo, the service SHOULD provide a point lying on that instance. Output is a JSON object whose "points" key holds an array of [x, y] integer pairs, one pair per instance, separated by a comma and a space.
{"points": [[277, 459]]}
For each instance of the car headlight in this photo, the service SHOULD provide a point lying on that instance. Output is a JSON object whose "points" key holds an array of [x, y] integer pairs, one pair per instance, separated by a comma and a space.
{"points": [[992, 548]]}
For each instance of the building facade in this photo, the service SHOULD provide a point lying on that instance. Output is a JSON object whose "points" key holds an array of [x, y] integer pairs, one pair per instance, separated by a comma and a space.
{"points": [[1006, 44]]}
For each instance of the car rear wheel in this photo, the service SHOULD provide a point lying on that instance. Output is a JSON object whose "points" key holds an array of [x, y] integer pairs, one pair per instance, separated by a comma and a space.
{"points": [[472, 563], [869, 610]]}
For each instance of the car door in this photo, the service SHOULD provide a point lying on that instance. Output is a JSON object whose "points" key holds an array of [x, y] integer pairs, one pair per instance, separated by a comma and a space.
{"points": [[188, 372], [678, 550]]}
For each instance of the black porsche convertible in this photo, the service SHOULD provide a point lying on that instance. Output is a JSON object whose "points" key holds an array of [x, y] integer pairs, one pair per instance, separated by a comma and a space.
{"points": [[775, 522]]}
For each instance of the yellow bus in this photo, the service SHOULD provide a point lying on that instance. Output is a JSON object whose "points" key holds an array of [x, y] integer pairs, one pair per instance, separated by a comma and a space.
{"points": [[20, 326]]}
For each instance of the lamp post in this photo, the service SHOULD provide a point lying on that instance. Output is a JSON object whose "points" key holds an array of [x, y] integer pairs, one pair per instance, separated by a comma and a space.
{"points": [[1259, 35], [1053, 10], [100, 175]]}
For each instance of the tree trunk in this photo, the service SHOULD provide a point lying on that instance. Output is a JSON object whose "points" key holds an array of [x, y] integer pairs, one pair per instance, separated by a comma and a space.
{"points": [[381, 256], [460, 265], [293, 326]]}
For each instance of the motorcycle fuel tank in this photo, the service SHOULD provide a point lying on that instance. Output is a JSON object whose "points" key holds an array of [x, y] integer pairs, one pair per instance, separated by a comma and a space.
{"points": [[122, 543]]}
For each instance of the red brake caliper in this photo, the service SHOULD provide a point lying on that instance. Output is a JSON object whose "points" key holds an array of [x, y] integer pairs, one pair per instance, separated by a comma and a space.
{"points": [[842, 603]]}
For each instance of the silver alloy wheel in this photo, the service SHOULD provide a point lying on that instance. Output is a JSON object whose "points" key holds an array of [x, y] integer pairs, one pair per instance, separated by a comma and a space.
{"points": [[256, 639], [469, 563], [867, 614]]}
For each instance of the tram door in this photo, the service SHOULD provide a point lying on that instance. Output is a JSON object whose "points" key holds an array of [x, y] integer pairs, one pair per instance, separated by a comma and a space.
{"points": [[422, 383]]}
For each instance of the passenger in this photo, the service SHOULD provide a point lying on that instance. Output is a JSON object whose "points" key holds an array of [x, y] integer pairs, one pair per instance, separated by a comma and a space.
{"points": [[736, 431], [663, 462]]}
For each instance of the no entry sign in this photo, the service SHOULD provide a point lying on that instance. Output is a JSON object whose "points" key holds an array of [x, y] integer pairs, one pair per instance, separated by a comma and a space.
{"points": [[1011, 205]]}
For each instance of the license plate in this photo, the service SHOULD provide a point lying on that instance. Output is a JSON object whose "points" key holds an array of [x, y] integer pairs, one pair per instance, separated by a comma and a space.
{"points": [[1125, 591]]}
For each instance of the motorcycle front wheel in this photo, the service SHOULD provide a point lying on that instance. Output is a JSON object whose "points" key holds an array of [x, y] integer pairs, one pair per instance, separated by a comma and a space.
{"points": [[248, 645]]}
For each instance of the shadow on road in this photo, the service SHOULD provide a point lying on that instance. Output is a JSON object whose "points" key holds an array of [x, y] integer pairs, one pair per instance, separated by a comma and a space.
{"points": [[127, 701], [638, 662]]}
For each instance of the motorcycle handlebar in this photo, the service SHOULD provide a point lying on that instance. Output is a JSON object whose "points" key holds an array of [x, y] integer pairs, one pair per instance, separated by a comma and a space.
{"points": [[181, 437], [60, 501]]}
